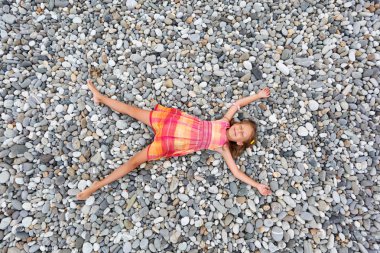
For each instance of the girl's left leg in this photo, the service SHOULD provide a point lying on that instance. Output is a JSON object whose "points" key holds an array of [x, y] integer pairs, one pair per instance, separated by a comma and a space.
{"points": [[123, 170]]}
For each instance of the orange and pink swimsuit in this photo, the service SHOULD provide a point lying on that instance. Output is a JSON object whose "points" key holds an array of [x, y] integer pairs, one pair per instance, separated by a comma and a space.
{"points": [[178, 133]]}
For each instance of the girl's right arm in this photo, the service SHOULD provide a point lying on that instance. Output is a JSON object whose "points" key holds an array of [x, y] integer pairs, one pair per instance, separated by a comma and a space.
{"points": [[225, 152]]}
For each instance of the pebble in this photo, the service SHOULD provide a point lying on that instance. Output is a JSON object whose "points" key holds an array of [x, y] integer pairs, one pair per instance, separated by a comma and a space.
{"points": [[27, 221], [4, 177], [313, 105], [302, 131], [77, 20], [4, 223], [277, 234], [87, 247], [8, 18], [283, 68], [289, 201], [185, 221]]}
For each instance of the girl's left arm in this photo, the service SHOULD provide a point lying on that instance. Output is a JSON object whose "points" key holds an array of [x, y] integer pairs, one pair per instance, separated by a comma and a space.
{"points": [[225, 152], [264, 93]]}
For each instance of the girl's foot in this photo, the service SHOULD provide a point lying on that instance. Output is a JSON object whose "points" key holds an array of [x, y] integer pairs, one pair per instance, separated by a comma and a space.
{"points": [[97, 95], [83, 195]]}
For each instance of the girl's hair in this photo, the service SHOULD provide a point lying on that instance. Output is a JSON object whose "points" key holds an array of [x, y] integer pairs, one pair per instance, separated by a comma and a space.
{"points": [[237, 150]]}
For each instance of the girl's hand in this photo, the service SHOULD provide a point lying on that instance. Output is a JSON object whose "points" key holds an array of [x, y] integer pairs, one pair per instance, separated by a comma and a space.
{"points": [[264, 189], [264, 93]]}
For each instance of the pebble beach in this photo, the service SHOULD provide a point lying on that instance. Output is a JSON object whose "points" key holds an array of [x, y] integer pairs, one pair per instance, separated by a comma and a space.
{"points": [[318, 139]]}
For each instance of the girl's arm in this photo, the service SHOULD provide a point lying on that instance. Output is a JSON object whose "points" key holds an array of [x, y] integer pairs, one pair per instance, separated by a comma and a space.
{"points": [[263, 189], [264, 93]]}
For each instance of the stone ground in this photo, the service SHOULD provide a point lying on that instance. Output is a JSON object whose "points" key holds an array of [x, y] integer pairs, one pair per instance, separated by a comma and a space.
{"points": [[318, 145]]}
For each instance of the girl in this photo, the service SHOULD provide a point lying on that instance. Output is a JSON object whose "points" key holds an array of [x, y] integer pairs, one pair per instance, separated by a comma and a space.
{"points": [[178, 133]]}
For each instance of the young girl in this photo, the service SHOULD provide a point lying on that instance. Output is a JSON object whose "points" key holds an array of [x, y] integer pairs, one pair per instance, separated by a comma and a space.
{"points": [[178, 133]]}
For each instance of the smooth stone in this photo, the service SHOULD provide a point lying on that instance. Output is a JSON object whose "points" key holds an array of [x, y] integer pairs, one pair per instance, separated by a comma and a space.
{"points": [[136, 58], [4, 223], [77, 20], [87, 247], [257, 73], [8, 18], [288, 200], [122, 124], [307, 216], [195, 37], [127, 247], [219, 207], [18, 149], [313, 105], [185, 221], [228, 220], [305, 62], [173, 184], [286, 54], [307, 247], [61, 3], [277, 234], [246, 77], [150, 58], [4, 177], [27, 221], [247, 65], [283, 68], [159, 48], [302, 131], [249, 228]]}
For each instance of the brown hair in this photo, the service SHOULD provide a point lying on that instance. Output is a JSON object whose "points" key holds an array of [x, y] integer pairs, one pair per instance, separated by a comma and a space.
{"points": [[237, 150]]}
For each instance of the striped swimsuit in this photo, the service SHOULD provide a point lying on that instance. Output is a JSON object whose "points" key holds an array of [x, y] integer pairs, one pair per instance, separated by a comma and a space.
{"points": [[178, 133]]}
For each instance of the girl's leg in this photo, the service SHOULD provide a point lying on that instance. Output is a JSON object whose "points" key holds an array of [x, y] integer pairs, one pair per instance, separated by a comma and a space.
{"points": [[123, 170], [133, 111]]}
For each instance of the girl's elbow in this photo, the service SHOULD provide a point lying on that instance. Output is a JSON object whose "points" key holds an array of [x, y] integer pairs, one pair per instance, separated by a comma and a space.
{"points": [[236, 173]]}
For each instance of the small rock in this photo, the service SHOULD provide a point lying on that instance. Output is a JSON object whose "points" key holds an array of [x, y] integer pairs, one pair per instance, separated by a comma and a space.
{"points": [[8, 18], [313, 105], [277, 234], [4, 177], [283, 68], [302, 131]]}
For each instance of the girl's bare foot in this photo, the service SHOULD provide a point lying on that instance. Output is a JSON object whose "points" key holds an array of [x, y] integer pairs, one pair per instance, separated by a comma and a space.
{"points": [[83, 195], [97, 95]]}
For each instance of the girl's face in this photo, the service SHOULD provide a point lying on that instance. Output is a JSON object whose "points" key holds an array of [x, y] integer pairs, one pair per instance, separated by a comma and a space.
{"points": [[240, 132]]}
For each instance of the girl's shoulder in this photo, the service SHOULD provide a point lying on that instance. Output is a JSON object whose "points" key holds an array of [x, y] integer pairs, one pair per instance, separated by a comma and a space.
{"points": [[223, 149], [224, 120]]}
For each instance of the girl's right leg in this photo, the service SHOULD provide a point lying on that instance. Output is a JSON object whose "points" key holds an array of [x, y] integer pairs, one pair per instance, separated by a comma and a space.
{"points": [[133, 111], [120, 172]]}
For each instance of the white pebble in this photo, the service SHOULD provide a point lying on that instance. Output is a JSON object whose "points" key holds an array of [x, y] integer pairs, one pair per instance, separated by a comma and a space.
{"points": [[302, 131], [313, 105], [185, 221], [111, 63], [27, 221], [167, 164], [283, 68], [94, 117], [273, 118], [27, 206], [82, 185], [77, 20], [131, 4], [90, 200], [59, 108], [247, 65]]}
